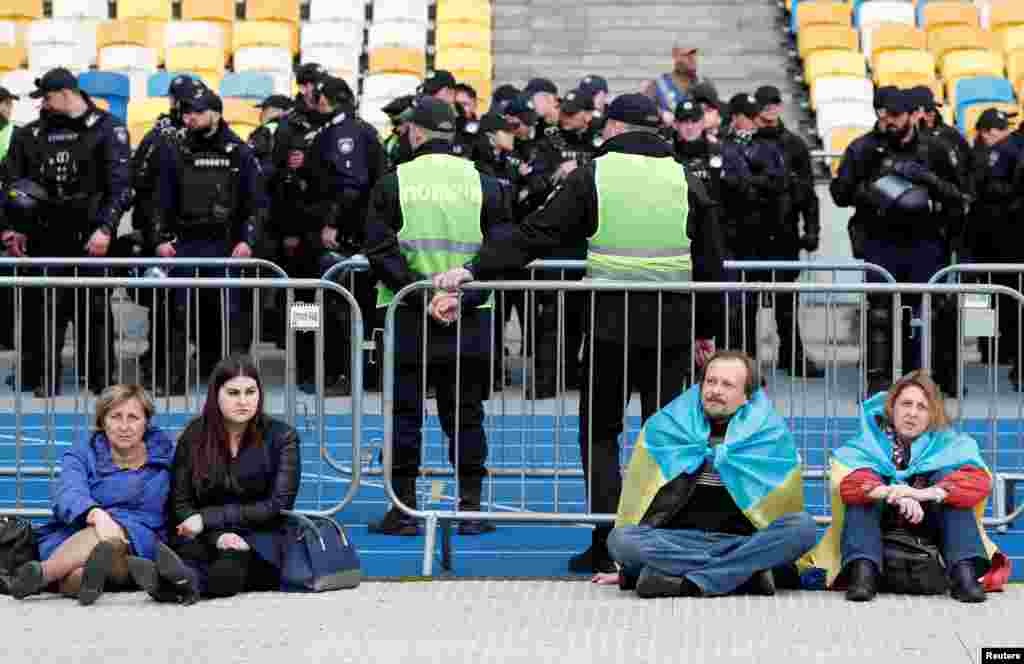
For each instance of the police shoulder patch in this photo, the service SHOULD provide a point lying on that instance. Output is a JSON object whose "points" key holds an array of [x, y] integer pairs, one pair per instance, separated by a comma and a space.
{"points": [[121, 134], [952, 157], [715, 161], [993, 158], [346, 145]]}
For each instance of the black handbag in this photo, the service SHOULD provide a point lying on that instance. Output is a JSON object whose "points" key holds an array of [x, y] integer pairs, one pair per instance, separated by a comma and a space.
{"points": [[17, 547], [318, 556], [912, 565]]}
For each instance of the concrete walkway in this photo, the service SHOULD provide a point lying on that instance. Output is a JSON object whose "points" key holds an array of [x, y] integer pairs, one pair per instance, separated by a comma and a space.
{"points": [[508, 621]]}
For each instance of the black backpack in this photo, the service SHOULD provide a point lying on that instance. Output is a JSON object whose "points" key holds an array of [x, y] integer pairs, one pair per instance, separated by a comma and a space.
{"points": [[17, 547]]}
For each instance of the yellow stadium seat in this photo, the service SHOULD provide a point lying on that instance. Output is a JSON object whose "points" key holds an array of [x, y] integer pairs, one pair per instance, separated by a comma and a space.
{"points": [[1020, 89], [242, 116], [397, 61], [891, 64], [1015, 67], [1011, 39], [896, 37], [1005, 15], [159, 10], [833, 63], [820, 37], [21, 9], [12, 57], [477, 12], [274, 34], [841, 139], [938, 13], [272, 10], [142, 114], [818, 12], [208, 10], [195, 59], [953, 38], [132, 32], [965, 64], [462, 35], [466, 59], [974, 111]]}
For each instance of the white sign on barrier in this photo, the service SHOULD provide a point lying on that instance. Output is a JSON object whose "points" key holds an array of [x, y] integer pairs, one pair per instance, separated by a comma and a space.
{"points": [[304, 317]]}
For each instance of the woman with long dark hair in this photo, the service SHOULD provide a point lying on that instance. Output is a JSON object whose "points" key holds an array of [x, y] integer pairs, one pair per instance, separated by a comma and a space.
{"points": [[235, 471]]}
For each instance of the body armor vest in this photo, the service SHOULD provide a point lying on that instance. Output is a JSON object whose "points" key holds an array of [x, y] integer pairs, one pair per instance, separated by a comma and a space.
{"points": [[208, 191]]}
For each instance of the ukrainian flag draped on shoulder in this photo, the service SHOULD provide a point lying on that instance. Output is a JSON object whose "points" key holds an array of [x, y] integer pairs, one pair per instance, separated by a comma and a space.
{"points": [[642, 207], [758, 461], [441, 200], [934, 451]]}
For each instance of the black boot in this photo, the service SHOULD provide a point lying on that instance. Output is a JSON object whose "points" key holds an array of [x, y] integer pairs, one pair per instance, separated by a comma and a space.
{"points": [[879, 352], [596, 559], [28, 580], [471, 490], [654, 584], [397, 522], [964, 584], [172, 570], [761, 583], [863, 581]]}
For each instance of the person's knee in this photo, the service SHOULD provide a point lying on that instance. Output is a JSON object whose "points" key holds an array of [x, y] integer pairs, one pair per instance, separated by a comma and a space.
{"points": [[622, 544], [802, 529]]}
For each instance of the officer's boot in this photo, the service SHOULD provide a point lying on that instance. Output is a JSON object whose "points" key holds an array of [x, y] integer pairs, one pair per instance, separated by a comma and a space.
{"points": [[793, 362], [544, 374], [174, 382], [879, 351], [397, 522], [943, 346], [470, 493]]}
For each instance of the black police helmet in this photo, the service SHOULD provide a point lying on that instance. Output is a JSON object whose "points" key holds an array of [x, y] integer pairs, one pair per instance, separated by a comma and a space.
{"points": [[25, 196], [900, 194]]}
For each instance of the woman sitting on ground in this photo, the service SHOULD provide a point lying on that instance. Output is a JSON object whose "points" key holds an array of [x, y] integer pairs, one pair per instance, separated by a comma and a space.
{"points": [[909, 475], [235, 471], [111, 502]]}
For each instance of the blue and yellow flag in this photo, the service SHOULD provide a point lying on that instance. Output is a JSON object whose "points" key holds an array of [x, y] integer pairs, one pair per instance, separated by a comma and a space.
{"points": [[758, 460], [934, 451]]}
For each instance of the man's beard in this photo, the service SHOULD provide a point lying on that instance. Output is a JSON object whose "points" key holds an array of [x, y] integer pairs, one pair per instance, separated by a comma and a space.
{"points": [[895, 136], [686, 71]]}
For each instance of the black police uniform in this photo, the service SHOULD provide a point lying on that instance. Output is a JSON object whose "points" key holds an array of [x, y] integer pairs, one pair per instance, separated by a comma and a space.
{"points": [[84, 165], [905, 238], [571, 215], [396, 144], [211, 198], [384, 221]]}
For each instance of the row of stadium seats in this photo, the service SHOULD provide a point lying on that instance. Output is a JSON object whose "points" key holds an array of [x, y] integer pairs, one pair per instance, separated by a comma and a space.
{"points": [[991, 14]]}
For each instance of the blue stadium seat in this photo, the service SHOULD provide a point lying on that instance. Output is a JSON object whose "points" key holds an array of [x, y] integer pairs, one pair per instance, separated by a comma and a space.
{"points": [[982, 89], [160, 82], [111, 86], [247, 85]]}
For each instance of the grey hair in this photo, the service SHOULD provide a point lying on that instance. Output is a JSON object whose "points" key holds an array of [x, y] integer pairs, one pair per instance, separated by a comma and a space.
{"points": [[115, 395]]}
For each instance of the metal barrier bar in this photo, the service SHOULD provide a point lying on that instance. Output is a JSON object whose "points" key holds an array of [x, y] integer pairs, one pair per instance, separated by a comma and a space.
{"points": [[811, 266], [48, 284], [87, 263], [433, 517]]}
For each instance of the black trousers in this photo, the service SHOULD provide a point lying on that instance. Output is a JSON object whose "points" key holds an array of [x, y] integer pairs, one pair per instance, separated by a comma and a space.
{"points": [[222, 573]]}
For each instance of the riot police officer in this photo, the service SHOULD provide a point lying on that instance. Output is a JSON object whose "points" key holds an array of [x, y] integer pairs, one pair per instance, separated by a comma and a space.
{"points": [[423, 219], [345, 161], [212, 204], [80, 155], [786, 239], [901, 184], [261, 140]]}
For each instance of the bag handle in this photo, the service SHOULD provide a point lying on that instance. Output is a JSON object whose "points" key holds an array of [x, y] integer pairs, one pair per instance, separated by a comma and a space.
{"points": [[308, 523]]}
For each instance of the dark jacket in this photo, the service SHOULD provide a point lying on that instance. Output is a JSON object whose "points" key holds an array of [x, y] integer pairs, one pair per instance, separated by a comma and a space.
{"points": [[803, 202], [571, 215], [997, 206]]}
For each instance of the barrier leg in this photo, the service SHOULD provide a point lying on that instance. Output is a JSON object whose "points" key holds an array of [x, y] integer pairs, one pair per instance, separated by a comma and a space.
{"points": [[430, 530], [446, 545]]}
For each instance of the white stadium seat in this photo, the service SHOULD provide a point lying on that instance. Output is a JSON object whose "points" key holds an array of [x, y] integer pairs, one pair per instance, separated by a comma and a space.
{"points": [[831, 89], [61, 42], [135, 62], [274, 61], [336, 35], [346, 11], [389, 86], [397, 34], [194, 33], [882, 11], [843, 114], [92, 9], [343, 62], [8, 33], [413, 11]]}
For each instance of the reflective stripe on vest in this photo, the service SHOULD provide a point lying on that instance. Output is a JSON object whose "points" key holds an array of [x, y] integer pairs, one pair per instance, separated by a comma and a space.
{"points": [[5, 139], [441, 201], [641, 220]]}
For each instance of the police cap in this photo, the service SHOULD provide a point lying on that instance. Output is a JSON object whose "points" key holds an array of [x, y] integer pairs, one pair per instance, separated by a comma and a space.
{"points": [[766, 95], [635, 109], [882, 95], [433, 114], [594, 84], [441, 79], [276, 101], [311, 72], [688, 111], [535, 85], [899, 101], [183, 87], [744, 104], [575, 101], [335, 90], [6, 95], [522, 108], [398, 105], [705, 93], [203, 99], [993, 118], [54, 80], [504, 94], [494, 121], [923, 98]]}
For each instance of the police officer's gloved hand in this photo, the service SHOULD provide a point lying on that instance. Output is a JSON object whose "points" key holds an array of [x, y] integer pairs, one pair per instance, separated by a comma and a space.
{"points": [[809, 242], [912, 170]]}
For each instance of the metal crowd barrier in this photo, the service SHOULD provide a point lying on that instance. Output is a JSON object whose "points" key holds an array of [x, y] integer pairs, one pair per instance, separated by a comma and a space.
{"points": [[37, 456], [544, 486]]}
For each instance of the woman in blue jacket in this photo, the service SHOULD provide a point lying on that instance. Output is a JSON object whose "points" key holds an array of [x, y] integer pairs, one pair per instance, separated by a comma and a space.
{"points": [[111, 502]]}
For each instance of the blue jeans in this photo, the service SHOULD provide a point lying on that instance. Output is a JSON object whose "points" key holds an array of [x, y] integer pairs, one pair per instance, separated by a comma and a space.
{"points": [[954, 530], [717, 562]]}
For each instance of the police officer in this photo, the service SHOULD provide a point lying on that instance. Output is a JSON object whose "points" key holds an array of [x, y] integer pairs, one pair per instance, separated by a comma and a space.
{"points": [[503, 95], [6, 136], [901, 184], [212, 204], [536, 155], [427, 217], [787, 239], [706, 95], [643, 218], [597, 86], [261, 140], [345, 161], [80, 155], [701, 157], [396, 146], [993, 218], [543, 94]]}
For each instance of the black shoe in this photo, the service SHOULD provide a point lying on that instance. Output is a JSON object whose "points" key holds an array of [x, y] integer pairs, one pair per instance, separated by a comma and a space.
{"points": [[654, 584], [964, 585], [761, 583], [476, 527], [800, 370], [863, 581], [395, 522], [28, 580], [171, 569], [592, 561], [94, 575], [144, 574]]}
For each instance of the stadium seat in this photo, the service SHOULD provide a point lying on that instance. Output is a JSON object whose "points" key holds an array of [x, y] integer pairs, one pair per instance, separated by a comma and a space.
{"points": [[822, 12], [8, 33], [970, 114], [895, 37], [341, 35], [462, 35], [1005, 15], [843, 114], [143, 114], [938, 13], [821, 37], [833, 63], [341, 62], [242, 116], [388, 86], [868, 14], [840, 139], [21, 82], [276, 34], [1015, 67], [60, 43], [111, 86], [275, 61], [951, 38], [337, 11], [11, 57], [981, 89], [414, 11], [465, 59], [396, 34], [159, 83], [247, 85], [28, 10], [473, 12], [970, 64], [195, 59], [148, 34], [214, 16], [1011, 39], [891, 65], [829, 89], [156, 10], [81, 9], [397, 61], [286, 11], [209, 34]]}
